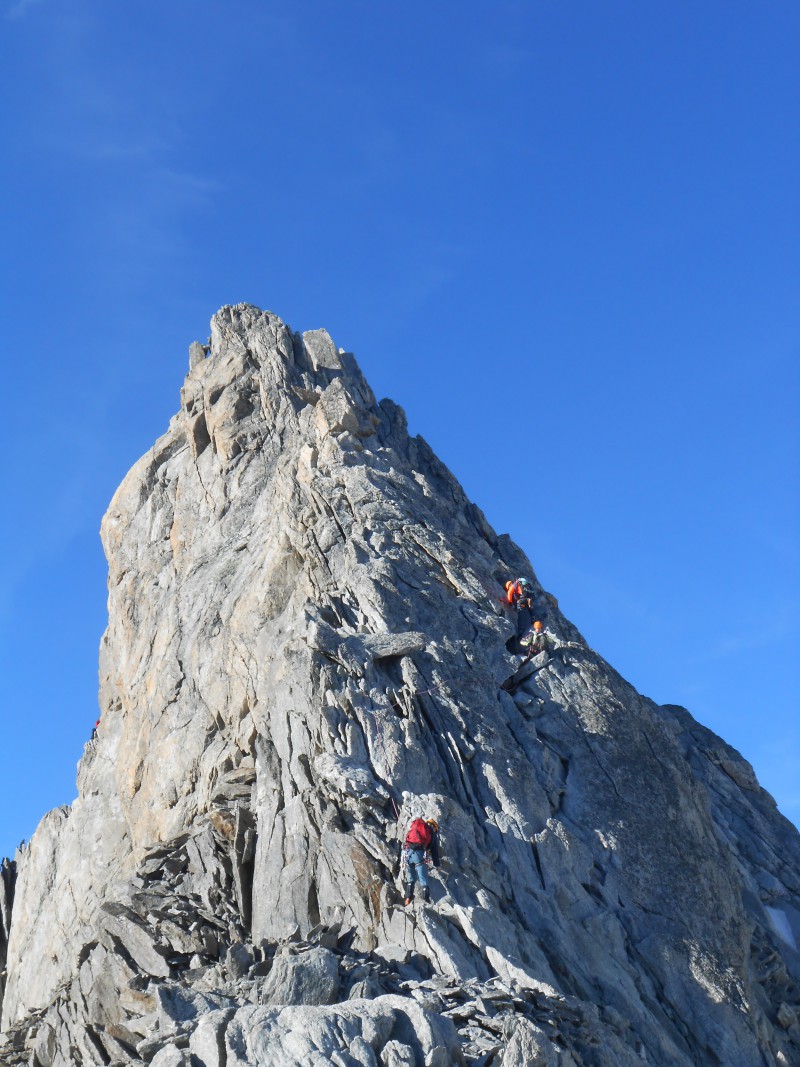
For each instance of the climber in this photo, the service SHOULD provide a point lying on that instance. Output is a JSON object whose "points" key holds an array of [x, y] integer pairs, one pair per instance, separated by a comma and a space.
{"points": [[520, 596], [420, 847], [518, 593], [537, 640]]}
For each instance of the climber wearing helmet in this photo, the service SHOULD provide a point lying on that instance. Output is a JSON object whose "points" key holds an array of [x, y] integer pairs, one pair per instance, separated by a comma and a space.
{"points": [[421, 846], [519, 595], [537, 640]]}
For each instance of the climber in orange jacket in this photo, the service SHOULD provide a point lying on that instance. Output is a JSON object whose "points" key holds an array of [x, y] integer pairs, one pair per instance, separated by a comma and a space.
{"points": [[518, 593]]}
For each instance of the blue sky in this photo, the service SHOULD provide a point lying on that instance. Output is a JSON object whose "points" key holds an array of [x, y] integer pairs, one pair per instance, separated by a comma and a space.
{"points": [[564, 236]]}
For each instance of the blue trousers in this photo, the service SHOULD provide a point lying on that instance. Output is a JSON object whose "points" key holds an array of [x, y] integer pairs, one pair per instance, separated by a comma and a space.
{"points": [[416, 868]]}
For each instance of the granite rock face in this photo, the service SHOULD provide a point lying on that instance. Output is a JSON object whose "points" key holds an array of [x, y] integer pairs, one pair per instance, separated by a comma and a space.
{"points": [[307, 646]]}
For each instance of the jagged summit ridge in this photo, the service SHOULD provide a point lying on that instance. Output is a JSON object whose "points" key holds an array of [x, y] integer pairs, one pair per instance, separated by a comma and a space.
{"points": [[307, 645]]}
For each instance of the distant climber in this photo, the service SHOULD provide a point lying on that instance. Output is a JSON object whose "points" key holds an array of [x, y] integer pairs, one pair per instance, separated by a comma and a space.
{"points": [[537, 640], [420, 847], [519, 595]]}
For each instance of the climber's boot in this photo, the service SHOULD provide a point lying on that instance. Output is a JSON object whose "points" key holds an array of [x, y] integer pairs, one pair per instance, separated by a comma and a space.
{"points": [[409, 894], [426, 895]]}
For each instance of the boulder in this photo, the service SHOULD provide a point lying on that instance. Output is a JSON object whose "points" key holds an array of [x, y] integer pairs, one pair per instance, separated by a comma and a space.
{"points": [[310, 978]]}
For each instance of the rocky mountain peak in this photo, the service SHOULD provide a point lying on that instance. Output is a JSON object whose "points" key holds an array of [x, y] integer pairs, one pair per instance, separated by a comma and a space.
{"points": [[308, 644]]}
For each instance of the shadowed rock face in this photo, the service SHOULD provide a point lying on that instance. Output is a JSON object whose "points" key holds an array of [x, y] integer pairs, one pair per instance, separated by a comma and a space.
{"points": [[306, 647]]}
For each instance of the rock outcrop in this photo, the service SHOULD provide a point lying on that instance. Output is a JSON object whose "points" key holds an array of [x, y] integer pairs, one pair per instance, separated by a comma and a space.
{"points": [[307, 645]]}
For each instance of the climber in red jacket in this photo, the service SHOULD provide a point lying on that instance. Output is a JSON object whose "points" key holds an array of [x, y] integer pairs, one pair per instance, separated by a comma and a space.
{"points": [[420, 847]]}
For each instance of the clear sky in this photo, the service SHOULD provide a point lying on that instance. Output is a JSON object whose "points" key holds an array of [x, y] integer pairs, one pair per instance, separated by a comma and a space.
{"points": [[563, 235]]}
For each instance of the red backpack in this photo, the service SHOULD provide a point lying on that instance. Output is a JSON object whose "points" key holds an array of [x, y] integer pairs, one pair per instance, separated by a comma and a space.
{"points": [[419, 834]]}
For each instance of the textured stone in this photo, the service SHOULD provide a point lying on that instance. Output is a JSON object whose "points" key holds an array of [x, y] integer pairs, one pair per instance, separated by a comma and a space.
{"points": [[239, 960], [207, 1043], [786, 1016], [126, 930], [306, 647], [529, 1047], [351, 1035], [169, 1056], [8, 878], [438, 1057], [197, 353], [45, 1047], [396, 1054], [310, 978]]}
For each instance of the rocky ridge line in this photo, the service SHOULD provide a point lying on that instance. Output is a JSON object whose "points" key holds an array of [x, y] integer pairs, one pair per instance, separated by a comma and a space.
{"points": [[306, 646]]}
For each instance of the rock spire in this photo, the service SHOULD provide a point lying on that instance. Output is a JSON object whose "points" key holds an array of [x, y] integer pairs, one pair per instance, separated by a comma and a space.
{"points": [[307, 645]]}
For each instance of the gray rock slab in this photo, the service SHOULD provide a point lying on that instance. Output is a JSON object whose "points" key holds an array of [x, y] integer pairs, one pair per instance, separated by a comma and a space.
{"points": [[322, 350], [349, 1035], [169, 1056], [197, 353], [138, 940], [382, 646], [529, 1047], [207, 1042], [347, 776], [309, 978], [239, 960], [396, 1054]]}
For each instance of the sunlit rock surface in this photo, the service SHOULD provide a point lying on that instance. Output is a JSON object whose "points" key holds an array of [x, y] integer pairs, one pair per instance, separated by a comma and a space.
{"points": [[307, 646]]}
